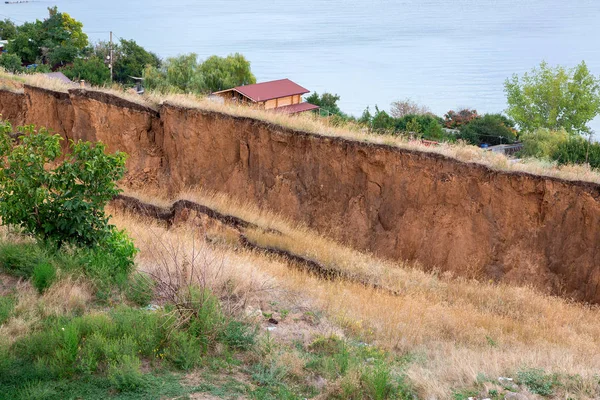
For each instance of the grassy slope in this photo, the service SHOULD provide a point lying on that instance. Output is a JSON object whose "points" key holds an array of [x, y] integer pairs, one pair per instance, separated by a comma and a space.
{"points": [[76, 339], [437, 336], [457, 333]]}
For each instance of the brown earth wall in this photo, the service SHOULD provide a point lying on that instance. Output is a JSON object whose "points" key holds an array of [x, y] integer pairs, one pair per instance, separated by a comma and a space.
{"points": [[401, 204]]}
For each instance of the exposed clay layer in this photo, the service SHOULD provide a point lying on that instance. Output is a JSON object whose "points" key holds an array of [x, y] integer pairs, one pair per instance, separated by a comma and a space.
{"points": [[50, 109], [122, 126], [12, 106], [397, 203]]}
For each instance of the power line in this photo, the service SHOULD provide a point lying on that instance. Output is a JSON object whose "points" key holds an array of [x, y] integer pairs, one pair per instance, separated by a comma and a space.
{"points": [[12, 19]]}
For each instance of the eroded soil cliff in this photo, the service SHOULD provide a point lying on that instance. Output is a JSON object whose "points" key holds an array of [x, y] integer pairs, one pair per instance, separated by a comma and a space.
{"points": [[397, 203]]}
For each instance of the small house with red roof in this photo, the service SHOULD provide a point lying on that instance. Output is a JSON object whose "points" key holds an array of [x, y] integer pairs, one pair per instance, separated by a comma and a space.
{"points": [[281, 95]]}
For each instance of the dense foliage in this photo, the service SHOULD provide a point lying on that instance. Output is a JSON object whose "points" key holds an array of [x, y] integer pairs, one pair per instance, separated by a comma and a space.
{"points": [[542, 143], [8, 30], [185, 74], [577, 150], [561, 147], [426, 126], [60, 199], [326, 101], [554, 98], [92, 70], [220, 73], [11, 62], [492, 129], [130, 59], [457, 119], [57, 40]]}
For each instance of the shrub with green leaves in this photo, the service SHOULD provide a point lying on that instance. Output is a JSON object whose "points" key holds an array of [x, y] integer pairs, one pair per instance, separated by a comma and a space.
{"points": [[60, 199], [542, 142], [537, 381], [125, 374], [492, 129], [7, 304], [577, 150], [140, 289]]}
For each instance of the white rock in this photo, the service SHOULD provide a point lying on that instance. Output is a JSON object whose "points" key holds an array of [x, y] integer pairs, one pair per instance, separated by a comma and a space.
{"points": [[253, 312], [515, 396]]}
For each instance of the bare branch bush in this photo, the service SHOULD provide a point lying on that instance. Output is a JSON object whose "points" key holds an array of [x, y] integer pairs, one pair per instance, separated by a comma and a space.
{"points": [[191, 275], [402, 108]]}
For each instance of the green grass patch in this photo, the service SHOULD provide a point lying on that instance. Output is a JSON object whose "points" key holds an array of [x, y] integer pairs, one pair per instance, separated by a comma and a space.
{"points": [[43, 275], [20, 259], [114, 345], [7, 304], [537, 381], [139, 289], [44, 263]]}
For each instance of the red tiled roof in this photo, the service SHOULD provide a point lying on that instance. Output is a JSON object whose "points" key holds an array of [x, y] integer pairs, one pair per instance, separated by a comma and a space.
{"points": [[269, 90], [296, 108]]}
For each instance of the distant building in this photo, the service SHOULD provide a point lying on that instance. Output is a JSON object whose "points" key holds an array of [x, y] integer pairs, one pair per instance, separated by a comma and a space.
{"points": [[281, 95]]}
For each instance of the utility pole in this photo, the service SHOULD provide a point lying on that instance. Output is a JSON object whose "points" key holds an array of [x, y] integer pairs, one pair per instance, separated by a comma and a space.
{"points": [[111, 57]]}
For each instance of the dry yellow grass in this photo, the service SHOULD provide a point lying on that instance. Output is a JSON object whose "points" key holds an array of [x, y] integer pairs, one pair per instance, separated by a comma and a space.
{"points": [[68, 296], [15, 83], [454, 329]]}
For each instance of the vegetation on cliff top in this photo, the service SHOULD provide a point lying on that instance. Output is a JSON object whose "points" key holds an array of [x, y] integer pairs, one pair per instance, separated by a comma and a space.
{"points": [[184, 74], [320, 126]]}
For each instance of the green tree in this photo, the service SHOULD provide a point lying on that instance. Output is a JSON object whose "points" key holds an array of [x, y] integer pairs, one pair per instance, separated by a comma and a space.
{"points": [[177, 74], [11, 62], [554, 98], [27, 42], [63, 203], [220, 73], [382, 121], [62, 38], [8, 29], [456, 119], [184, 74], [542, 143], [326, 101], [130, 59], [577, 150], [366, 117], [59, 39], [92, 70], [492, 129]]}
